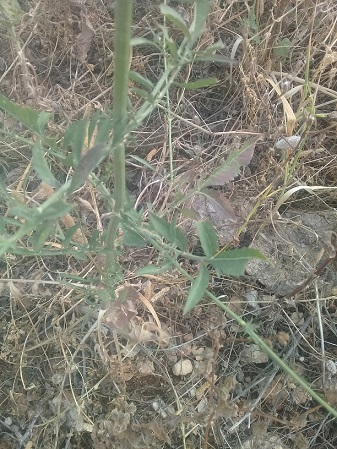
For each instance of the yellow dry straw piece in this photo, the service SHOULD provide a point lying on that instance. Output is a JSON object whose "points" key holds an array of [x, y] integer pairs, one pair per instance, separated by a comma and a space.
{"points": [[289, 114]]}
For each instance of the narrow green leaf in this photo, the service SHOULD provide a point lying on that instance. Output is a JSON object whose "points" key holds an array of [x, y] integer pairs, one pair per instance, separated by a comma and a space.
{"points": [[30, 118], [6, 246], [72, 277], [218, 45], [142, 161], [80, 255], [74, 138], [132, 238], [69, 235], [198, 288], [87, 164], [201, 10], [143, 94], [12, 221], [162, 227], [40, 235], [41, 166], [233, 262], [54, 149], [205, 82], [191, 214], [208, 238], [184, 1], [93, 125], [179, 238], [10, 12], [28, 213], [173, 16], [169, 231], [216, 58], [103, 130], [143, 41], [2, 226], [94, 241], [171, 45], [3, 190], [130, 213], [152, 269], [55, 210], [172, 48], [140, 79], [42, 120]]}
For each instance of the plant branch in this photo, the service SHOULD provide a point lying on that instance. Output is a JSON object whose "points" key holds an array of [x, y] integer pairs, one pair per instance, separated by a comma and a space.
{"points": [[123, 21]]}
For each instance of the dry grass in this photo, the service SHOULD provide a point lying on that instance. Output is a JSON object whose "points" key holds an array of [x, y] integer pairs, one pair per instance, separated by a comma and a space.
{"points": [[65, 383]]}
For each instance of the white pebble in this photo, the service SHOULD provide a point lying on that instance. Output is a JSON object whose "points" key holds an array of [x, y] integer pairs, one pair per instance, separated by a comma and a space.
{"points": [[287, 143], [182, 367]]}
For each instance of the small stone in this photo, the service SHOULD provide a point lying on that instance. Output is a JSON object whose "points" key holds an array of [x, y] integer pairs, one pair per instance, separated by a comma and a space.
{"points": [[331, 367], [251, 297], [57, 378], [253, 354], [182, 367], [287, 143]]}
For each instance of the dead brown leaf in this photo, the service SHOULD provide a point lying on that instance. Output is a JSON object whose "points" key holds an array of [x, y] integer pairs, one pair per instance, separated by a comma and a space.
{"points": [[145, 366], [220, 204], [159, 431], [85, 37]]}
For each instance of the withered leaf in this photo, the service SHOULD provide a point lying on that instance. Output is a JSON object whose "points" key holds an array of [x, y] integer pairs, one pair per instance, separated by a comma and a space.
{"points": [[120, 312], [231, 167], [221, 205], [85, 37]]}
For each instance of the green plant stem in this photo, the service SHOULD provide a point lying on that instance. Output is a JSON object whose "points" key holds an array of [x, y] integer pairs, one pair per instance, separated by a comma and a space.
{"points": [[248, 328], [168, 110], [268, 350], [123, 22]]}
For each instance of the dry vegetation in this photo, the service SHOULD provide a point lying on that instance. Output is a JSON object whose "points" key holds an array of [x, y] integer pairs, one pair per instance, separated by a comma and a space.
{"points": [[65, 383]]}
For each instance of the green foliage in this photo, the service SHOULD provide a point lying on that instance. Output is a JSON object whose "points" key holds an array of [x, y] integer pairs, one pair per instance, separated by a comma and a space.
{"points": [[168, 230], [87, 164], [26, 229], [208, 238], [143, 41], [173, 16], [198, 289], [140, 79], [31, 119], [74, 138], [282, 48], [41, 166], [153, 269], [233, 262], [201, 10], [206, 82], [41, 234], [133, 238], [251, 24], [10, 12], [88, 142]]}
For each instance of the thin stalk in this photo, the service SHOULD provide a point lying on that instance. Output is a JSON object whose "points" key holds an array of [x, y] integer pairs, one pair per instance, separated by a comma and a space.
{"points": [[249, 329], [169, 135], [123, 22], [168, 111], [164, 83]]}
